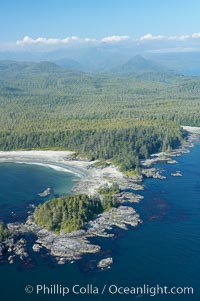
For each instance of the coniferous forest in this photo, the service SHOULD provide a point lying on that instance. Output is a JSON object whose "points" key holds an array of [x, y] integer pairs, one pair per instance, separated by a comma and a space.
{"points": [[69, 213], [117, 116]]}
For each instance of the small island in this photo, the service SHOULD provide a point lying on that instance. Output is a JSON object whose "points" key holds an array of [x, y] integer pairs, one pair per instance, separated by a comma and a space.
{"points": [[65, 225], [70, 213], [46, 192], [176, 174]]}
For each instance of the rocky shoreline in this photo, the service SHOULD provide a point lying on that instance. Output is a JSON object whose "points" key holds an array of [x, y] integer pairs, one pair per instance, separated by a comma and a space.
{"points": [[169, 157], [14, 247], [67, 246], [72, 246]]}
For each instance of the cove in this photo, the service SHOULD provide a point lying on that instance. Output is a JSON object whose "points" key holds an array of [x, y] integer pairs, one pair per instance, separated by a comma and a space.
{"points": [[163, 250]]}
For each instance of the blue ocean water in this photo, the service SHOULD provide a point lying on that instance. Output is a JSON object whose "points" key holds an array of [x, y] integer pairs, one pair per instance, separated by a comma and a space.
{"points": [[20, 184], [164, 250]]}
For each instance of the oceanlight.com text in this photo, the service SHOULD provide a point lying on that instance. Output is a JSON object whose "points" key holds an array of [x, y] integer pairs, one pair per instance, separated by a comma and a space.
{"points": [[111, 289]]}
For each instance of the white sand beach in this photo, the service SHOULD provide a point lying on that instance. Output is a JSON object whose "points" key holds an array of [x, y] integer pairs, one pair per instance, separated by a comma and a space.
{"points": [[91, 177], [191, 129]]}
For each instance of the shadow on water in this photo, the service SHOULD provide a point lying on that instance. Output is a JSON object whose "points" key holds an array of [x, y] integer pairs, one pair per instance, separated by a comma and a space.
{"points": [[155, 208]]}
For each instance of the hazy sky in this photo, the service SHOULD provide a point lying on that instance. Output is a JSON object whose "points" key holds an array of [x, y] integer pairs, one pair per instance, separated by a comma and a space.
{"points": [[96, 19]]}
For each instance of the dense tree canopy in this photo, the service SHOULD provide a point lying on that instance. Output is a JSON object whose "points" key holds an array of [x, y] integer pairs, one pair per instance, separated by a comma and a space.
{"points": [[103, 116], [69, 213]]}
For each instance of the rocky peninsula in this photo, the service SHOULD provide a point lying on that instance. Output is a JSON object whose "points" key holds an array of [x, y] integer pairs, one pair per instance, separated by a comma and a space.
{"points": [[72, 246]]}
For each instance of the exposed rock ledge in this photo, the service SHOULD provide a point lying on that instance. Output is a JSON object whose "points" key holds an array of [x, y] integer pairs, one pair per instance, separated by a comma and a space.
{"points": [[167, 157], [152, 173], [14, 248], [176, 174], [105, 263], [71, 246], [46, 192]]}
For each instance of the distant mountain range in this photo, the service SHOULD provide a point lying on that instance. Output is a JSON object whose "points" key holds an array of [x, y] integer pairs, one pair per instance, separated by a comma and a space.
{"points": [[13, 68], [69, 64], [187, 63], [116, 59], [138, 66]]}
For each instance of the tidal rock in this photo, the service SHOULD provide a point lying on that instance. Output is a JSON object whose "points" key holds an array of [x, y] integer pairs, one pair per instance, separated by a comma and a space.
{"points": [[71, 246], [61, 260], [20, 248], [3, 249], [36, 247], [46, 192], [125, 197], [152, 173], [172, 161], [105, 263], [176, 174], [11, 259], [119, 217]]}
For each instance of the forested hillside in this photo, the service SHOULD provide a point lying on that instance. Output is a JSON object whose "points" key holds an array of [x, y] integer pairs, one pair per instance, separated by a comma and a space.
{"points": [[111, 116], [69, 213]]}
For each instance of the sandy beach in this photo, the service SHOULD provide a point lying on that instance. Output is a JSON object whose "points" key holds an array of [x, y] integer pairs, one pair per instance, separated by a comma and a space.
{"points": [[72, 246], [60, 160], [191, 129], [91, 177]]}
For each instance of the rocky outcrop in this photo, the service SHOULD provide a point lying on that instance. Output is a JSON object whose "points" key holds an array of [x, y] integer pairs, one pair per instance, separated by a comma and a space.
{"points": [[119, 217], [19, 248], [16, 247], [152, 173], [105, 263], [46, 192], [3, 248], [72, 246], [128, 197], [176, 174], [131, 183], [36, 247], [168, 156]]}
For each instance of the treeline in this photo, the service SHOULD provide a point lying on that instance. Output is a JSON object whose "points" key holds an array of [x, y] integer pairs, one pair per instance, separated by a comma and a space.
{"points": [[97, 115], [124, 145], [107, 190], [70, 213]]}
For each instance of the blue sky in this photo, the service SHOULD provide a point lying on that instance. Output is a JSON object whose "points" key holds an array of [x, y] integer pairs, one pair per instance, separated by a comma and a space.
{"points": [[97, 18]]}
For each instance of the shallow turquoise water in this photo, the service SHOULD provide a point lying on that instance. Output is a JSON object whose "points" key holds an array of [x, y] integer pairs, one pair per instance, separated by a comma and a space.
{"points": [[20, 184], [164, 250]]}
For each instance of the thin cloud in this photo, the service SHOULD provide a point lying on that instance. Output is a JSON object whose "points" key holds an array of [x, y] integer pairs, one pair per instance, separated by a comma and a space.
{"points": [[149, 37], [179, 38], [114, 39], [196, 35], [51, 41]]}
